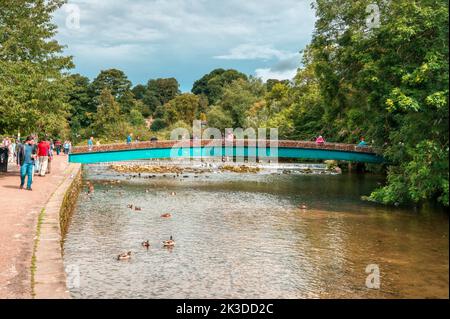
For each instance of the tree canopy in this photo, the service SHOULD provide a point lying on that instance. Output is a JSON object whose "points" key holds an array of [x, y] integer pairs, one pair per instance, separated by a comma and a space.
{"points": [[33, 82]]}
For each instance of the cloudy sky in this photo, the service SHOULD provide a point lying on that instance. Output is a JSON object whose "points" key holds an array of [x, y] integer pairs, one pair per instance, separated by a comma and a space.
{"points": [[186, 38]]}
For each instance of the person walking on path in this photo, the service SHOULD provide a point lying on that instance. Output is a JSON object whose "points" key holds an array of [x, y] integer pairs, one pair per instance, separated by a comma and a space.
{"points": [[26, 157], [50, 157], [11, 151], [58, 146], [43, 154], [66, 147]]}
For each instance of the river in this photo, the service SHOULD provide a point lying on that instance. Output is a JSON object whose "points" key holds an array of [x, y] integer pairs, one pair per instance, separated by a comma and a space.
{"points": [[245, 236]]}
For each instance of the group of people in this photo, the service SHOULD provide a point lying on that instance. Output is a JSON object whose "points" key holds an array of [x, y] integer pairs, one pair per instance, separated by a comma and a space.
{"points": [[362, 142], [129, 141], [33, 156], [10, 144]]}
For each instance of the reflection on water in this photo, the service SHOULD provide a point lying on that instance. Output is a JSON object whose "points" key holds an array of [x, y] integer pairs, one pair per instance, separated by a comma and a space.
{"points": [[244, 236]]}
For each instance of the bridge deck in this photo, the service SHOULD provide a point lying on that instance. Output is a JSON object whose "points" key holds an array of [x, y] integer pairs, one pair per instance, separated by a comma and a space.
{"points": [[217, 148]]}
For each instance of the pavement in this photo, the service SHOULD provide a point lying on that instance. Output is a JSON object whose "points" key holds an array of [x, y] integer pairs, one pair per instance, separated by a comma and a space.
{"points": [[19, 211]]}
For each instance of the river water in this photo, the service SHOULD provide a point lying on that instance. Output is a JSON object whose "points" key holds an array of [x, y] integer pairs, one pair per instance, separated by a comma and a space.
{"points": [[244, 236]]}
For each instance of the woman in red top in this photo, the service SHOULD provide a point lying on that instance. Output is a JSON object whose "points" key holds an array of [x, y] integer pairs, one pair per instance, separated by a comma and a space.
{"points": [[43, 153], [320, 140]]}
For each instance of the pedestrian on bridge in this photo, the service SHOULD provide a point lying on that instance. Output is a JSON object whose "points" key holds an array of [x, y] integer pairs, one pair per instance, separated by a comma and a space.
{"points": [[91, 143], [362, 143], [320, 140], [130, 138]]}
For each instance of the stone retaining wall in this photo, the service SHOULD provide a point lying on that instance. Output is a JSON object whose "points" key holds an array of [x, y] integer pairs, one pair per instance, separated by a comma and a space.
{"points": [[49, 277]]}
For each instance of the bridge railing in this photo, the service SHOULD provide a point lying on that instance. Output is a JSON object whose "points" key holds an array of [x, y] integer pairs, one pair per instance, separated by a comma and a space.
{"points": [[221, 142]]}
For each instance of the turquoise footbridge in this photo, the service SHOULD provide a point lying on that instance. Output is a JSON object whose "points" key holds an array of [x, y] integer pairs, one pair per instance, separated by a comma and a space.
{"points": [[205, 149]]}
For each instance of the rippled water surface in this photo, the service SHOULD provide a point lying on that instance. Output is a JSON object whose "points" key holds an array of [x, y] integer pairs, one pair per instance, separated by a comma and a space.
{"points": [[244, 236]]}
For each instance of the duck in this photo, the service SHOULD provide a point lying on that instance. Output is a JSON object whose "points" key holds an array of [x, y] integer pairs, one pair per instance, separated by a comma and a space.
{"points": [[124, 256], [303, 206], [137, 208], [146, 244], [173, 194], [130, 206], [166, 215], [169, 243]]}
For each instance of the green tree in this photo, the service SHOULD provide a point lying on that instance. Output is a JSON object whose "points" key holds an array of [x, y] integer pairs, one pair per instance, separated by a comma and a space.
{"points": [[33, 85], [139, 91], [136, 118], [82, 108], [158, 125], [218, 118], [211, 85], [159, 92], [108, 118], [184, 107], [238, 98], [389, 83], [114, 80]]}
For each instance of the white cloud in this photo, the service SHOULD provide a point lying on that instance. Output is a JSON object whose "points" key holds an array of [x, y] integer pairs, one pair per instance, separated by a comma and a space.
{"points": [[173, 34], [266, 74], [255, 52]]}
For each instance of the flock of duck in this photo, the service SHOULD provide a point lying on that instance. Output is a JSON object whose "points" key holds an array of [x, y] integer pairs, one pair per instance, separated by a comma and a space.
{"points": [[146, 244]]}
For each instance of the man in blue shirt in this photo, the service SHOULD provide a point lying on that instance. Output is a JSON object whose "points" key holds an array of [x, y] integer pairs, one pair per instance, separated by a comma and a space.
{"points": [[362, 143], [25, 158]]}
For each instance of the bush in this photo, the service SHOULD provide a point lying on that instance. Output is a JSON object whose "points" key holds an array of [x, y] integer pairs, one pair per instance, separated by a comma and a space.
{"points": [[158, 125]]}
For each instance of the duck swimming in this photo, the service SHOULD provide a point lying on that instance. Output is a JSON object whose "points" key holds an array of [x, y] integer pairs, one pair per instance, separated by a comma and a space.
{"points": [[303, 206], [167, 215], [169, 243], [146, 244], [124, 256], [137, 208], [130, 206]]}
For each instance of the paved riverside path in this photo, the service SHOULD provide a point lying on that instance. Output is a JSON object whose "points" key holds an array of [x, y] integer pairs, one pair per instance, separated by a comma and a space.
{"points": [[19, 211]]}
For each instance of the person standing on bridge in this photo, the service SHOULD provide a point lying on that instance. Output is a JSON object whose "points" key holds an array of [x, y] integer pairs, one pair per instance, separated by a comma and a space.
{"points": [[362, 143], [26, 157], [130, 138], [320, 140], [90, 143]]}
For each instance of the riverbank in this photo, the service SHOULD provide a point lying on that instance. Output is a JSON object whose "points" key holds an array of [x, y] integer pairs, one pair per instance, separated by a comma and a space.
{"points": [[19, 217]]}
